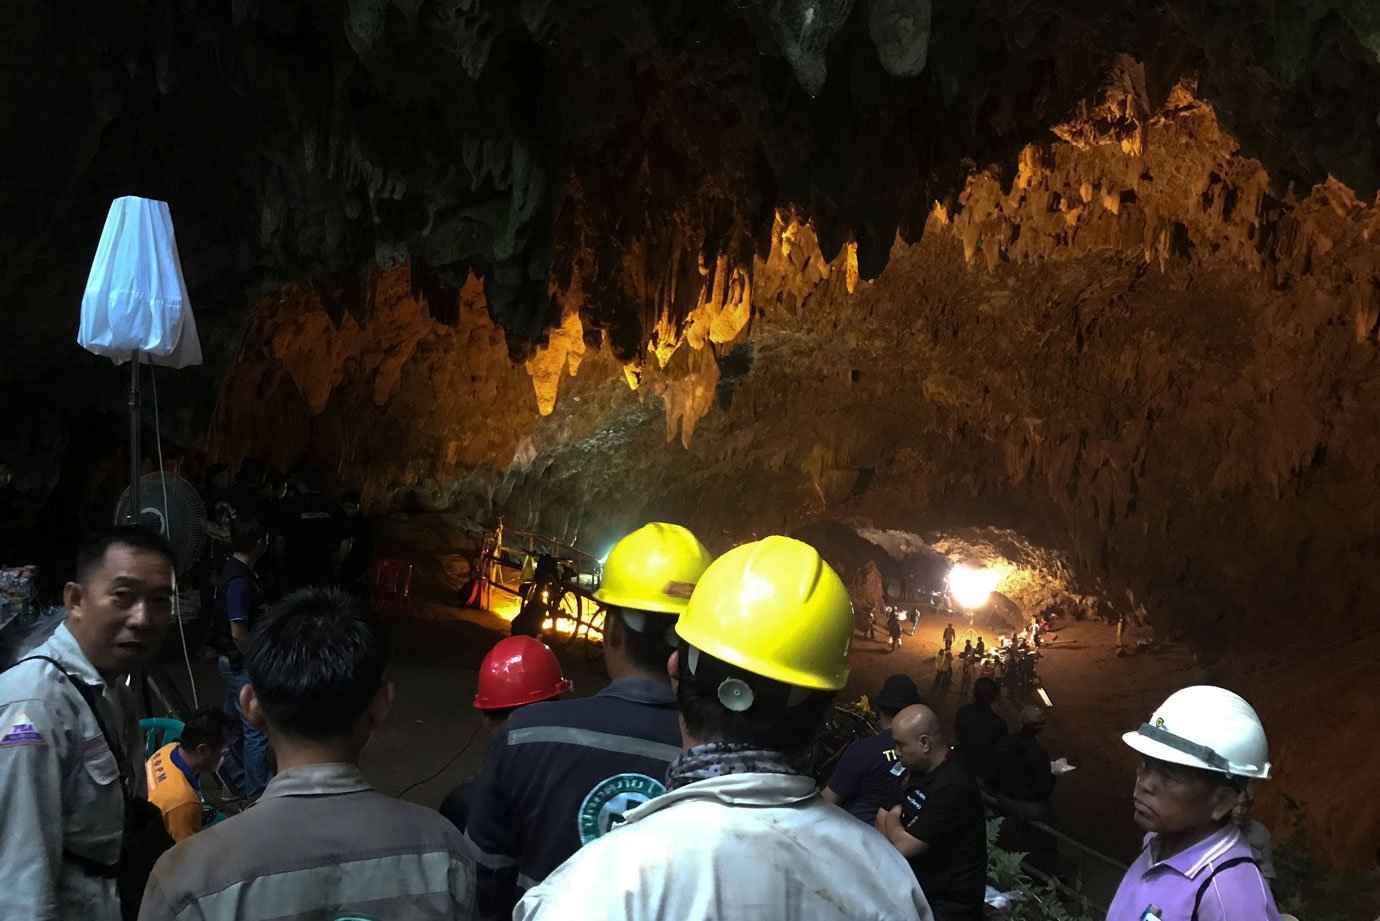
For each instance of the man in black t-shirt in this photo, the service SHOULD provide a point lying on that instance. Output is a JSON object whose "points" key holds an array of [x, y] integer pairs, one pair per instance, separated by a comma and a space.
{"points": [[868, 775], [313, 536], [978, 730], [941, 825]]}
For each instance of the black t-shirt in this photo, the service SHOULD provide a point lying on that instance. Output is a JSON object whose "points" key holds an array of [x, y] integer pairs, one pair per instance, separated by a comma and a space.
{"points": [[944, 809], [312, 527], [977, 730], [1023, 769], [864, 780]]}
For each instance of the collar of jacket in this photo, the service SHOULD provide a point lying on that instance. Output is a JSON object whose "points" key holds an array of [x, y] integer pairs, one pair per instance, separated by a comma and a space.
{"points": [[63, 646], [640, 691], [748, 790], [318, 780]]}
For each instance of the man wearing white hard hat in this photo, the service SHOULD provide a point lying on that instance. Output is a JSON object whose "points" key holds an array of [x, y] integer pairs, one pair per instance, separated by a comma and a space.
{"points": [[1198, 752]]}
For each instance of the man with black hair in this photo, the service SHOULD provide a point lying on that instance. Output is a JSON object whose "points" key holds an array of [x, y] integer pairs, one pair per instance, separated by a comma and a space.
{"points": [[174, 772], [742, 832], [561, 774], [239, 604], [977, 730], [321, 843], [312, 535], [66, 751], [868, 776]]}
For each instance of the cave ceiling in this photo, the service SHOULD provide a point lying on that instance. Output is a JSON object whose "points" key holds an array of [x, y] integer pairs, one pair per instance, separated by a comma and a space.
{"points": [[609, 157]]}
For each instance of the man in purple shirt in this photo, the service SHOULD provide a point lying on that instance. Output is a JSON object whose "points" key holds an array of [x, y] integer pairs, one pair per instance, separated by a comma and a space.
{"points": [[1198, 751]]}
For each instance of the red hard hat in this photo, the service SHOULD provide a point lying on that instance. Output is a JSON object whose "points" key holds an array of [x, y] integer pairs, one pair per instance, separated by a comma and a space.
{"points": [[517, 671]]}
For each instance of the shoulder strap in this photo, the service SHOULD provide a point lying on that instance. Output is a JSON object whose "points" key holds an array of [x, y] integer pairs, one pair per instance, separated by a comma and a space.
{"points": [[88, 694], [1202, 890]]}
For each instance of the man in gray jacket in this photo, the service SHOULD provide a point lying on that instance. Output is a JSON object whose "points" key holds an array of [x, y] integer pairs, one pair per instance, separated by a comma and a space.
{"points": [[320, 842], [61, 806]]}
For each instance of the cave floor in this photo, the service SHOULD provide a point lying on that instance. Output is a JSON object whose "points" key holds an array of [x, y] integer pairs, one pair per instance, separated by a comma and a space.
{"points": [[433, 731]]}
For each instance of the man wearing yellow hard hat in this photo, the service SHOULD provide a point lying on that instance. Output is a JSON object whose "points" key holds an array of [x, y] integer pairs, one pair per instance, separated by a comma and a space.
{"points": [[561, 774], [742, 832]]}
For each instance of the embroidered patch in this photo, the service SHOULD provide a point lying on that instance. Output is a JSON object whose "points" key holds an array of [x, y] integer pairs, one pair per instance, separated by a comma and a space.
{"points": [[21, 733], [605, 805]]}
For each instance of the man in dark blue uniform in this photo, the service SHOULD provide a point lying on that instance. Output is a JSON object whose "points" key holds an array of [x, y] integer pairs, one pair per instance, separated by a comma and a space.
{"points": [[560, 774], [868, 776]]}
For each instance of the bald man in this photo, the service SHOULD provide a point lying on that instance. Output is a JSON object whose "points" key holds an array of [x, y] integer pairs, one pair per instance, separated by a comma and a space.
{"points": [[940, 826]]}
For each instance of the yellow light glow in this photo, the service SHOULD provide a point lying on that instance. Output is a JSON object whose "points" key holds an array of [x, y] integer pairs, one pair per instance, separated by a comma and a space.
{"points": [[972, 587]]}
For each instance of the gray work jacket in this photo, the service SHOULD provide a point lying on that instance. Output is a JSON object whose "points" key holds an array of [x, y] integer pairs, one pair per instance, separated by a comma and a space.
{"points": [[320, 845], [60, 787]]}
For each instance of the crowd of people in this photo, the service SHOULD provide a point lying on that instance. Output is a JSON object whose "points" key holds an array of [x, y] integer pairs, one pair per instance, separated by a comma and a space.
{"points": [[678, 791]]}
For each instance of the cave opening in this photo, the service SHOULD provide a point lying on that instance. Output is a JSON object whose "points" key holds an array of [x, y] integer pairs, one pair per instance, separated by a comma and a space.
{"points": [[1094, 322]]}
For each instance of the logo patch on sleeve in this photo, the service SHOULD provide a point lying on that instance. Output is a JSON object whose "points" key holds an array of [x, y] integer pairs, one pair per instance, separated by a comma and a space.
{"points": [[22, 732]]}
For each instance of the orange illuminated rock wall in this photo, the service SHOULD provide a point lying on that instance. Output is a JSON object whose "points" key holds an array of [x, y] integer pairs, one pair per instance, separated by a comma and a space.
{"points": [[1132, 351]]}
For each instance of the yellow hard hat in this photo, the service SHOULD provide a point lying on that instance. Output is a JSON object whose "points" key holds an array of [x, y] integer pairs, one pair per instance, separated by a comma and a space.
{"points": [[653, 569], [773, 608]]}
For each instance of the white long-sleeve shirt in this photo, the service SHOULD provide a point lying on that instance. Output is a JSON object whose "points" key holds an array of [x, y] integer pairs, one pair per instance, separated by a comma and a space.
{"points": [[744, 847]]}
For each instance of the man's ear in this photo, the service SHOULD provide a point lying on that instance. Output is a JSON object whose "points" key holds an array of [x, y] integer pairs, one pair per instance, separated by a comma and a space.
{"points": [[253, 710], [1224, 800], [71, 598], [673, 669], [382, 703]]}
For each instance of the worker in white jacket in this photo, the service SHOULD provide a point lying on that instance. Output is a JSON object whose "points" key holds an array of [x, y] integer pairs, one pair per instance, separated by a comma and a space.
{"points": [[742, 832]]}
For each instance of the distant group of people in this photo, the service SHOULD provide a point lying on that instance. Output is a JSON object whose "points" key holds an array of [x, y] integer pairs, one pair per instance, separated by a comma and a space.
{"points": [[270, 536], [681, 790]]}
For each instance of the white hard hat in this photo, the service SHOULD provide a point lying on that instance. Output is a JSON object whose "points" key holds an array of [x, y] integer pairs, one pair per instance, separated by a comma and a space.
{"points": [[1206, 727]]}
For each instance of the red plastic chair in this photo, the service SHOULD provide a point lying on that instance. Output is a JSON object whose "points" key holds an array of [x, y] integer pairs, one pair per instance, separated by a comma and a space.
{"points": [[392, 586]]}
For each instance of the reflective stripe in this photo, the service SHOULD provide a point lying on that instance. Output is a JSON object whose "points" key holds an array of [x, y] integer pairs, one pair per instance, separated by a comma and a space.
{"points": [[296, 892], [605, 741], [492, 861]]}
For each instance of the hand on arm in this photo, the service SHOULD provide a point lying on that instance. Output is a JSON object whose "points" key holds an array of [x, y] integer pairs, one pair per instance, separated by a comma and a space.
{"points": [[829, 796], [889, 824]]}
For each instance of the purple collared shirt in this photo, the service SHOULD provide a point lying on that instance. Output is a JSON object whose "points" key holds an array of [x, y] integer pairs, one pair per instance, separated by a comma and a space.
{"points": [[1239, 893]]}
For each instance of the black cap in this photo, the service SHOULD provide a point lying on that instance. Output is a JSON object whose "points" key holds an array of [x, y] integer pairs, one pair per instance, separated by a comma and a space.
{"points": [[898, 692]]}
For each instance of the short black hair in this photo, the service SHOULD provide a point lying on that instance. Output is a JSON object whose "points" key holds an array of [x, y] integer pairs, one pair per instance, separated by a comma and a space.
{"points": [[246, 531], [316, 660], [252, 470], [351, 496], [308, 476], [91, 553], [768, 723], [207, 726], [214, 470], [651, 649], [986, 690]]}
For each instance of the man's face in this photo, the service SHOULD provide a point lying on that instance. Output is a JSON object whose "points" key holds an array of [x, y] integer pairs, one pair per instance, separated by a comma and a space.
{"points": [[1171, 798], [6, 475], [351, 509], [120, 611], [915, 750], [1242, 811]]}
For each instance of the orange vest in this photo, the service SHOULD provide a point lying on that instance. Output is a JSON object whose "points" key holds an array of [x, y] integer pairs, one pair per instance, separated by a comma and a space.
{"points": [[172, 792]]}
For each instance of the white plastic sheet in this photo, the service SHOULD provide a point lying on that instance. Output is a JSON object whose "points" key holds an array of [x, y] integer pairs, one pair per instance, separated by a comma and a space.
{"points": [[136, 299]]}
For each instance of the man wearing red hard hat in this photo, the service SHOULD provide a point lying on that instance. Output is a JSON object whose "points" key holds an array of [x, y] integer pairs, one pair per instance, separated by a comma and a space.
{"points": [[518, 671]]}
